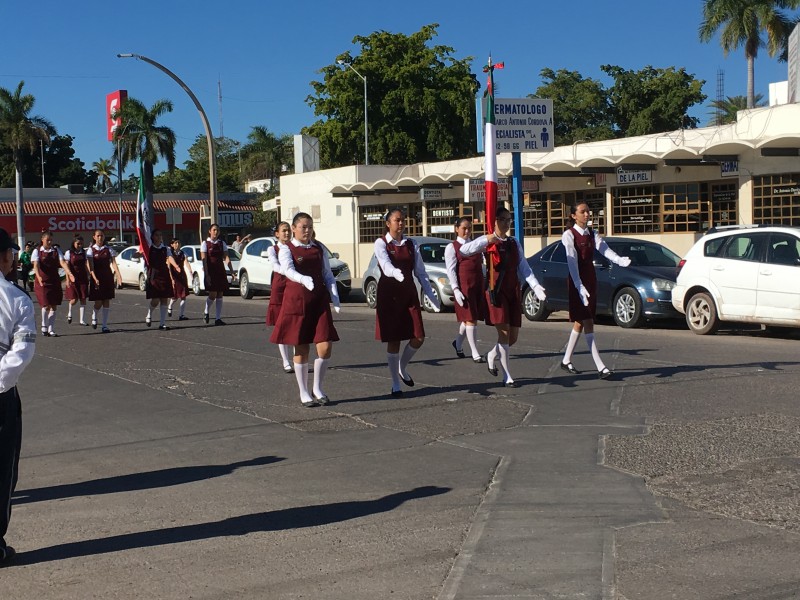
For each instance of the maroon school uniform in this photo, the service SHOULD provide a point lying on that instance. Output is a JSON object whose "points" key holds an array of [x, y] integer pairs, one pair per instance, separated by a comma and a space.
{"points": [[215, 278], [79, 289], [398, 315], [305, 316], [49, 293], [158, 282], [508, 306], [584, 253], [277, 289], [469, 270], [104, 290], [180, 283]]}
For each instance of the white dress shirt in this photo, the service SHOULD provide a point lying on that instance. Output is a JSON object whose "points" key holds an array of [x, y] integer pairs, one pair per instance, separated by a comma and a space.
{"points": [[204, 245], [95, 248], [17, 334], [524, 272], [451, 262], [572, 257], [272, 255], [388, 268], [287, 263]]}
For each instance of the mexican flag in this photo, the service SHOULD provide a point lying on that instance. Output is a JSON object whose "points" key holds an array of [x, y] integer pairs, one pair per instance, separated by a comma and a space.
{"points": [[143, 218], [490, 159]]}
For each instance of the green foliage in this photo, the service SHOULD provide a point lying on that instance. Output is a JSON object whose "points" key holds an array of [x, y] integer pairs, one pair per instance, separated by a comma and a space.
{"points": [[104, 171], [19, 130], [724, 111], [420, 102], [266, 155], [194, 177]]}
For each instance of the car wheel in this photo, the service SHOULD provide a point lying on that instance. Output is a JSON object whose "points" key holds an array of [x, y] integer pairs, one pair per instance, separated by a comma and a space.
{"points": [[371, 292], [701, 314], [533, 308], [142, 282], [244, 286], [196, 290], [628, 308], [426, 303]]}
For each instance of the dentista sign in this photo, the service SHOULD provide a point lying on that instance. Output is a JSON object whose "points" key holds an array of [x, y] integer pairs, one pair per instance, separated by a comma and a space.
{"points": [[89, 224]]}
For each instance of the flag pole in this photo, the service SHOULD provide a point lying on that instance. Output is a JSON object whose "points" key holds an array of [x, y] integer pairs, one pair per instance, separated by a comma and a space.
{"points": [[490, 160]]}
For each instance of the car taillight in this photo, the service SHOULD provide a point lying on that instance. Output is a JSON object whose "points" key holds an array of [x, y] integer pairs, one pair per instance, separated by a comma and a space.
{"points": [[679, 267]]}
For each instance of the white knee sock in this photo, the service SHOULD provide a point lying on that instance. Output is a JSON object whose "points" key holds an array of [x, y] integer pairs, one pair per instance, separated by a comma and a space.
{"points": [[44, 318], [183, 306], [286, 354], [149, 314], [69, 310], [408, 352], [51, 320], [460, 337], [503, 352], [171, 302], [208, 305], [595, 354], [94, 315], [219, 308], [394, 370], [301, 373], [320, 368], [473, 342], [105, 316], [82, 311], [491, 356], [573, 340], [163, 315]]}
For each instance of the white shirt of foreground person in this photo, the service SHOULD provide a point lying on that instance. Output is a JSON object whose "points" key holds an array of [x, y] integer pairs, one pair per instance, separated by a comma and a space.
{"points": [[572, 258], [524, 272], [17, 334], [287, 263], [390, 270]]}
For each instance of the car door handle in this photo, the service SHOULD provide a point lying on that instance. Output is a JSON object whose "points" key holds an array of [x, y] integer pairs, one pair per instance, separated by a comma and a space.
{"points": [[719, 268], [765, 272]]}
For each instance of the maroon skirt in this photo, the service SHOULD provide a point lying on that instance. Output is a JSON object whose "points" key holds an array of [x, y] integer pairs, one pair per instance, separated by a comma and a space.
{"points": [[305, 317], [79, 290], [509, 311], [158, 285], [398, 315], [277, 290], [49, 294], [180, 286], [216, 279], [105, 289], [475, 309]]}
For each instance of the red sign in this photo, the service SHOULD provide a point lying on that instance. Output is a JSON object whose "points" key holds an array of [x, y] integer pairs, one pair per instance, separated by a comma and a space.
{"points": [[87, 223], [114, 102]]}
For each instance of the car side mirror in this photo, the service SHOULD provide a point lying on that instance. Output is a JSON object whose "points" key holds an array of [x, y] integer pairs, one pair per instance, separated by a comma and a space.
{"points": [[190, 259], [264, 254], [601, 264], [135, 259], [335, 255]]}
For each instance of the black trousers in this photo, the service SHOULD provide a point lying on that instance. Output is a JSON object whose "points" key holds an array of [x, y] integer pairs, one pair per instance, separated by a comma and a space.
{"points": [[10, 444]]}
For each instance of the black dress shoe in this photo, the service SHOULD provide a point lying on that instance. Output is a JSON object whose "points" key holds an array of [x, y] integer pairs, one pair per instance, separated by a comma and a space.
{"points": [[205, 318], [511, 384], [69, 320], [147, 321], [219, 322], [164, 327], [569, 368], [480, 359], [409, 382], [396, 393], [288, 369], [169, 312], [323, 400], [492, 370], [459, 353], [605, 373], [94, 324], [311, 404], [183, 318], [7, 554]]}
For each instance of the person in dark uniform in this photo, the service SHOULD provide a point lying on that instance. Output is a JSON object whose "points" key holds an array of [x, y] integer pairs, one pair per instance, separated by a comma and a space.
{"points": [[466, 278], [277, 286], [398, 314], [580, 242], [26, 266], [504, 303], [103, 270], [77, 291], [159, 284], [46, 259], [180, 279], [214, 253], [18, 335], [305, 317]]}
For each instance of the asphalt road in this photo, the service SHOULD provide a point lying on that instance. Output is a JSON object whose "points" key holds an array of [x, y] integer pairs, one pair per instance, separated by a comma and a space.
{"points": [[180, 464]]}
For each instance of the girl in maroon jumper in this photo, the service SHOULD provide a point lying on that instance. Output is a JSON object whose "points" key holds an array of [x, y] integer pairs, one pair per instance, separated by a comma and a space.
{"points": [[159, 284], [283, 232], [504, 304], [466, 279], [47, 283], [104, 275], [305, 315], [214, 253], [398, 315], [580, 243], [78, 291], [180, 279]]}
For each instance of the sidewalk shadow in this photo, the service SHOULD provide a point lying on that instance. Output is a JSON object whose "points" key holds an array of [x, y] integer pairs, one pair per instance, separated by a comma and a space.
{"points": [[277, 520], [137, 481]]}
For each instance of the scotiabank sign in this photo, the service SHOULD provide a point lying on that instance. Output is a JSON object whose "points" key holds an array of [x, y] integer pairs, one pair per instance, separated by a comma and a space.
{"points": [[89, 223]]}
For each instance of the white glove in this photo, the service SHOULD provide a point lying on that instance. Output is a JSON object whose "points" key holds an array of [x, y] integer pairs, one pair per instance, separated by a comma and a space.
{"points": [[584, 293], [435, 301], [398, 275], [459, 297], [539, 291], [337, 308], [624, 261], [307, 282], [334, 294]]}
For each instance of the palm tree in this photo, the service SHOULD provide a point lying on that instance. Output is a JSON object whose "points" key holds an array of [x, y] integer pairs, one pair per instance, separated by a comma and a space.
{"points": [[21, 132], [724, 111], [104, 171], [744, 23], [266, 154]]}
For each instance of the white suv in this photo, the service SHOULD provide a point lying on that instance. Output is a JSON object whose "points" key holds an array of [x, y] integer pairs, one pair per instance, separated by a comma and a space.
{"points": [[747, 274]]}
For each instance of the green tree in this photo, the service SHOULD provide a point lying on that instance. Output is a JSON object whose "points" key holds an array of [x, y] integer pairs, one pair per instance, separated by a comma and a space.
{"points": [[724, 111], [420, 102], [104, 170], [21, 131], [746, 23], [580, 106], [266, 154], [652, 100], [194, 176]]}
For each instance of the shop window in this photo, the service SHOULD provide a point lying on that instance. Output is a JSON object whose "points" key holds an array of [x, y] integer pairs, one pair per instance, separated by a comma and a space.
{"points": [[724, 203], [776, 199], [558, 207], [316, 213], [635, 209], [442, 217], [682, 207], [534, 214], [596, 200], [371, 224]]}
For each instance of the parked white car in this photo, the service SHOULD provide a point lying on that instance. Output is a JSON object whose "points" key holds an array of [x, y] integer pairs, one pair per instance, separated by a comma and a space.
{"points": [[197, 283], [741, 274], [131, 267], [255, 269]]}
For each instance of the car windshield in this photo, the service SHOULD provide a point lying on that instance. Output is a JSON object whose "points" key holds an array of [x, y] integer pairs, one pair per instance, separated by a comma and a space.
{"points": [[645, 254], [432, 252], [233, 254]]}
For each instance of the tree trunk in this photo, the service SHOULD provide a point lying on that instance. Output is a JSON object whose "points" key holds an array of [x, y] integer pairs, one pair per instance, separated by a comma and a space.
{"points": [[20, 209], [751, 82]]}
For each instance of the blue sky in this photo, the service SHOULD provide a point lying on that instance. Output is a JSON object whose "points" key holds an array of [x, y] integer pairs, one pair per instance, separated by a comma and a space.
{"points": [[266, 53]]}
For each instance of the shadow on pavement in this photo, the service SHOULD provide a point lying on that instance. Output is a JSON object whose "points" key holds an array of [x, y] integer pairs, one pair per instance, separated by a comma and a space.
{"points": [[276, 520]]}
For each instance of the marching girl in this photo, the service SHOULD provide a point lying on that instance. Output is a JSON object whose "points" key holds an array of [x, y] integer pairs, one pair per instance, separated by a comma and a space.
{"points": [[398, 314], [504, 304], [159, 284], [180, 279], [78, 291], [305, 316], [580, 243], [214, 253], [278, 284], [46, 259], [466, 279], [104, 273]]}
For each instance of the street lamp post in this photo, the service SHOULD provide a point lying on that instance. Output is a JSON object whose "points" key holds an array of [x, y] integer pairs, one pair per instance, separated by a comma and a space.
{"points": [[366, 133], [41, 153], [212, 161]]}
